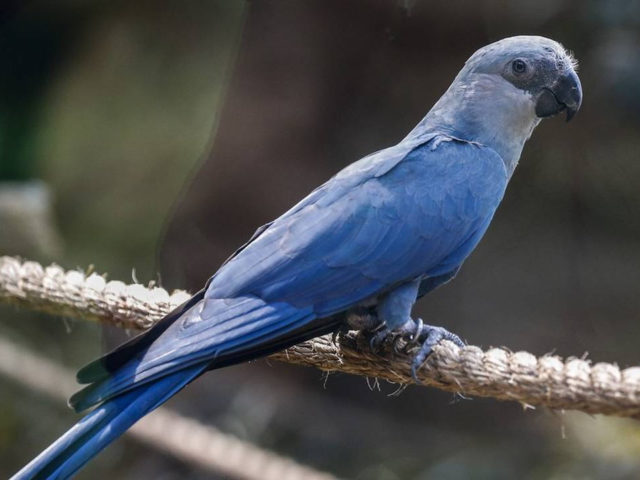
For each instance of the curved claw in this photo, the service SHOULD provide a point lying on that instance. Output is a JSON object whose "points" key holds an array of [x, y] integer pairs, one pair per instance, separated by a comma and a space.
{"points": [[380, 333], [411, 332], [418, 333]]}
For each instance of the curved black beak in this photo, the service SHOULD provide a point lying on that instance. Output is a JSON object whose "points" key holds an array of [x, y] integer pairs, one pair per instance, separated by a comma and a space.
{"points": [[565, 94]]}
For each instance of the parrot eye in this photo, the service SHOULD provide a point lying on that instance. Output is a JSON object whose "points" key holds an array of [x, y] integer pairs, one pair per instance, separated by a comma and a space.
{"points": [[519, 66]]}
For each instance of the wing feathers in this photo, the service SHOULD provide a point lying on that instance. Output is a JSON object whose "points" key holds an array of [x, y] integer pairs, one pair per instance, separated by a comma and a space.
{"points": [[247, 320]]}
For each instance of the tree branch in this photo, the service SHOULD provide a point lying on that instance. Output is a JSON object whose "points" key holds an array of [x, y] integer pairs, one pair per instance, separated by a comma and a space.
{"points": [[498, 373]]}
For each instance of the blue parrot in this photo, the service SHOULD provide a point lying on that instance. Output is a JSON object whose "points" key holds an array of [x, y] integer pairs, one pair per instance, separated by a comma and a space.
{"points": [[383, 232]]}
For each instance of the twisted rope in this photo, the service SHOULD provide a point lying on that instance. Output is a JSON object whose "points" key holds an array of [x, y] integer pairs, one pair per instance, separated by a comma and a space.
{"points": [[549, 380]]}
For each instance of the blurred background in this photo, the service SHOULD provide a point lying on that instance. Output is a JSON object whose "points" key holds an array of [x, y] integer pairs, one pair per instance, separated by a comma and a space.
{"points": [[151, 138]]}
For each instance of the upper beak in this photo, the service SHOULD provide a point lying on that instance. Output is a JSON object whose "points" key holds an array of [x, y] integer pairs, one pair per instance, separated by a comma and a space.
{"points": [[565, 94]]}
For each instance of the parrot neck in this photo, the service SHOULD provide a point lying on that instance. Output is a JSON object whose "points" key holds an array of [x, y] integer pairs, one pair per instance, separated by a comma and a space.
{"points": [[485, 109]]}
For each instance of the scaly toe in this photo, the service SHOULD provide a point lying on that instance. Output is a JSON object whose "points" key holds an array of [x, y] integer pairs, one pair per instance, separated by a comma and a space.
{"points": [[419, 359], [434, 335], [452, 337]]}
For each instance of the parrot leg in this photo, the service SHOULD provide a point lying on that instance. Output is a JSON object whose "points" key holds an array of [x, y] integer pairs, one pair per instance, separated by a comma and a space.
{"points": [[394, 316], [393, 322]]}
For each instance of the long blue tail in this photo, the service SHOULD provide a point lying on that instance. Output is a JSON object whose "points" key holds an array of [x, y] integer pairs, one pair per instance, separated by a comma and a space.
{"points": [[102, 426]]}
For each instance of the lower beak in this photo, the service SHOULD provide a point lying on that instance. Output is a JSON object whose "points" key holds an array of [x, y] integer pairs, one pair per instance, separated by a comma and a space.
{"points": [[565, 94]]}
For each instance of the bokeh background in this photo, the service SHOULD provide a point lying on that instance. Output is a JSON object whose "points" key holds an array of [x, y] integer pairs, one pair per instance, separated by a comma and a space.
{"points": [[151, 138]]}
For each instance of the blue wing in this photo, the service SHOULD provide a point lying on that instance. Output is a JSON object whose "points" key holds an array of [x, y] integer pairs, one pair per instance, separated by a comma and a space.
{"points": [[369, 229], [404, 213]]}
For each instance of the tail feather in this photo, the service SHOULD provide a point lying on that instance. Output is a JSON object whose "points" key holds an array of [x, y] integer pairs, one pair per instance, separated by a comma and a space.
{"points": [[103, 367], [103, 425], [202, 334]]}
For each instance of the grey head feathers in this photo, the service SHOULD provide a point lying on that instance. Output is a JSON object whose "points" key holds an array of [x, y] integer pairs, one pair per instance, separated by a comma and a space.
{"points": [[503, 91]]}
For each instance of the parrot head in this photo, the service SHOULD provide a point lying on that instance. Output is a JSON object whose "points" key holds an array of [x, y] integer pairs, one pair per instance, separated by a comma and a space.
{"points": [[539, 67], [502, 93]]}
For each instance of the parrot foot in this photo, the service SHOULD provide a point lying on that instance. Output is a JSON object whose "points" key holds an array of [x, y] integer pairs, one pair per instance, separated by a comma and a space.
{"points": [[408, 334], [429, 337]]}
